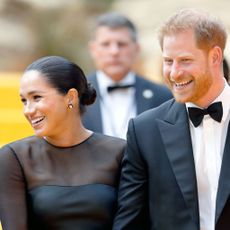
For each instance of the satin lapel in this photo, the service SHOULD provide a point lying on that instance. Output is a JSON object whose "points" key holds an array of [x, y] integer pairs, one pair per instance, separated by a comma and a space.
{"points": [[224, 180], [175, 134]]}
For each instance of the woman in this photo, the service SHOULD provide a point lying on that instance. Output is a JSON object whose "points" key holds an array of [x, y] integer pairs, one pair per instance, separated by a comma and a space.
{"points": [[65, 177]]}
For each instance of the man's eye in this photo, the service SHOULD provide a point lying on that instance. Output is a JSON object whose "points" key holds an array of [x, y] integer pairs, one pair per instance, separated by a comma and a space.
{"points": [[105, 44], [122, 44], [186, 60], [168, 61]]}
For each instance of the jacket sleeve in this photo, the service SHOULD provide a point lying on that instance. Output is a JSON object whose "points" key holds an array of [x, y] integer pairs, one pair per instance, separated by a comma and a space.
{"points": [[132, 212], [13, 211]]}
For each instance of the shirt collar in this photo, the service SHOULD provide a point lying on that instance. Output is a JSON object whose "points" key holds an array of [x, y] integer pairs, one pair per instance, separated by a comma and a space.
{"points": [[104, 81], [223, 97]]}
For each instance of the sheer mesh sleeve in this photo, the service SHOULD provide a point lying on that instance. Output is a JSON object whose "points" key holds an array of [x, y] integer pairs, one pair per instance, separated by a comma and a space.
{"points": [[13, 213]]}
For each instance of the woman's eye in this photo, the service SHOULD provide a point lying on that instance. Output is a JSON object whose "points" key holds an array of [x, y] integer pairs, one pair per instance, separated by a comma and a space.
{"points": [[23, 100], [36, 97]]}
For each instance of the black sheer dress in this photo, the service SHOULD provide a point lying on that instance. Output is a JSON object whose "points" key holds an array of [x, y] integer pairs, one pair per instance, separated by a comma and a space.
{"points": [[56, 188]]}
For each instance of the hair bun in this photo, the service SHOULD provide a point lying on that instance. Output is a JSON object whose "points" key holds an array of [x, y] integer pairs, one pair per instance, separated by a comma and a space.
{"points": [[89, 96]]}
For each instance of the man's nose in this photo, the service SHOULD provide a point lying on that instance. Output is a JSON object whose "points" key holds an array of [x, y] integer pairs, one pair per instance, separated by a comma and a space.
{"points": [[114, 48], [175, 71]]}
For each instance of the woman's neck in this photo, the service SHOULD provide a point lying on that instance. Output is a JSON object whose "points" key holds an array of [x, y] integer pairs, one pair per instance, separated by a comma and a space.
{"points": [[71, 136]]}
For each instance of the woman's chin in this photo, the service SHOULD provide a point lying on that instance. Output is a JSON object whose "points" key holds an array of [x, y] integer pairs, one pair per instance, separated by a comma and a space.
{"points": [[39, 133]]}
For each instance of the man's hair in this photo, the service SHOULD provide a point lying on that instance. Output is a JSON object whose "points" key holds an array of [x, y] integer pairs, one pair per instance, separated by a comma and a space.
{"points": [[116, 20], [209, 31]]}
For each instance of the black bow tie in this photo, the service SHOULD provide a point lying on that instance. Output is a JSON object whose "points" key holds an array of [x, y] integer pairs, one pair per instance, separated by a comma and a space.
{"points": [[215, 111], [115, 87]]}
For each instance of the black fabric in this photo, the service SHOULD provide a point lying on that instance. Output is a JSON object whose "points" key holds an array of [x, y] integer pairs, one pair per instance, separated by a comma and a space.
{"points": [[48, 187], [158, 166], [215, 111], [115, 87]]}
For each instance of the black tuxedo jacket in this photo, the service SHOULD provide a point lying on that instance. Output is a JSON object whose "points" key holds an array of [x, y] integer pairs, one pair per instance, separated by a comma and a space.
{"points": [[158, 186], [92, 118]]}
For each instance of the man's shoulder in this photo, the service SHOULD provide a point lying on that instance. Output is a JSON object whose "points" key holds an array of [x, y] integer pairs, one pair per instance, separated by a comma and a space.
{"points": [[91, 76], [146, 122], [156, 112], [143, 80]]}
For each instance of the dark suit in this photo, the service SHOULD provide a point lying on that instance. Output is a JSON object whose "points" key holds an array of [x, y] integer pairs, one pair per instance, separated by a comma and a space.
{"points": [[92, 118], [159, 171]]}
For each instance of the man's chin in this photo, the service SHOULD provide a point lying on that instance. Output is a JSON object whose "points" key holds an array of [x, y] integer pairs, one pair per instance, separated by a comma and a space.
{"points": [[180, 99], [116, 75]]}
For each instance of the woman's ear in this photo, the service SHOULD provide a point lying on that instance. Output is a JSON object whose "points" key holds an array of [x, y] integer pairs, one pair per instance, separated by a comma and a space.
{"points": [[72, 97]]}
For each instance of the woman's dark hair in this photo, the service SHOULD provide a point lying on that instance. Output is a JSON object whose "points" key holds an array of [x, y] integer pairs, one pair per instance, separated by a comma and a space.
{"points": [[63, 75]]}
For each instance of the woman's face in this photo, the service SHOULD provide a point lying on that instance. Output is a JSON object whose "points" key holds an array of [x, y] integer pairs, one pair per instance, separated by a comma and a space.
{"points": [[44, 107]]}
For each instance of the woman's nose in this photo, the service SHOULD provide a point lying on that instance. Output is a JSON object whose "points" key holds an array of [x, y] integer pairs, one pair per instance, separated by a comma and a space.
{"points": [[29, 109]]}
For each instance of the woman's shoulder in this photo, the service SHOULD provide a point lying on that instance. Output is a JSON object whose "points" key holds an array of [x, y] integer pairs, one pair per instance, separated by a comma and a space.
{"points": [[107, 145], [15, 153], [102, 139], [23, 141], [22, 145], [107, 148]]}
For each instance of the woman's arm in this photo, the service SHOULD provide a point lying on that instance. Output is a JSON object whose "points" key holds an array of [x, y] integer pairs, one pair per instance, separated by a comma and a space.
{"points": [[13, 208]]}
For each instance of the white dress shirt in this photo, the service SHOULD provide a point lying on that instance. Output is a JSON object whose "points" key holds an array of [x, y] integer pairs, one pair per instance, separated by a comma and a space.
{"points": [[208, 141], [118, 106]]}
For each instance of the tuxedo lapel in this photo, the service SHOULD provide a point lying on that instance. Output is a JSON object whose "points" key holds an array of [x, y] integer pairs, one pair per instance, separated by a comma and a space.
{"points": [[175, 134], [224, 180]]}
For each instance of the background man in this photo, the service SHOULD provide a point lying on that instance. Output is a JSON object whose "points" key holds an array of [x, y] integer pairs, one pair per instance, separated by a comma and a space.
{"points": [[122, 94]]}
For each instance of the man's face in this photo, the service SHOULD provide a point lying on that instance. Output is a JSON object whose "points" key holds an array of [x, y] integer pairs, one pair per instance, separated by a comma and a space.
{"points": [[186, 68], [113, 51]]}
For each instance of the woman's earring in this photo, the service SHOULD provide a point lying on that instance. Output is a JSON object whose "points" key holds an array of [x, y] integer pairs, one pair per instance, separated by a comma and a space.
{"points": [[70, 106]]}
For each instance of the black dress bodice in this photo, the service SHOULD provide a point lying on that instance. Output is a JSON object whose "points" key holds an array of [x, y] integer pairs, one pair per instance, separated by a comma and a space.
{"points": [[59, 188]]}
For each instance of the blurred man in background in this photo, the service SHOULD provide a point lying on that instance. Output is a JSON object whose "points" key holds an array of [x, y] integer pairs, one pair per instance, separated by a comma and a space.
{"points": [[122, 93]]}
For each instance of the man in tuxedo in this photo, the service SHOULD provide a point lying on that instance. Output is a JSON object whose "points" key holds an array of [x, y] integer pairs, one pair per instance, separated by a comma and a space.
{"points": [[122, 93], [176, 169]]}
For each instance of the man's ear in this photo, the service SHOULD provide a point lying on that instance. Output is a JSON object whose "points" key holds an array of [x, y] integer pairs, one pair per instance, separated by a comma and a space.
{"points": [[216, 55]]}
